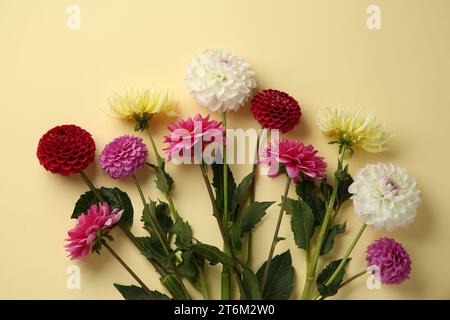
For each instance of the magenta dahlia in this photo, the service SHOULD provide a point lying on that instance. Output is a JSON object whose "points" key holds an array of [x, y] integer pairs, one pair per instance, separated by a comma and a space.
{"points": [[295, 158], [91, 228], [66, 149], [123, 156], [191, 136], [391, 259], [275, 109]]}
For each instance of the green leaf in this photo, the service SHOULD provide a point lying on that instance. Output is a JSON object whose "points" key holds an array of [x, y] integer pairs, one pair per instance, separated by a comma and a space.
{"points": [[327, 272], [217, 183], [305, 189], [309, 192], [342, 192], [163, 181], [328, 243], [241, 191], [302, 222], [152, 248], [247, 220], [251, 285], [183, 233], [280, 279], [137, 293], [187, 267], [115, 198], [213, 254], [326, 189]]}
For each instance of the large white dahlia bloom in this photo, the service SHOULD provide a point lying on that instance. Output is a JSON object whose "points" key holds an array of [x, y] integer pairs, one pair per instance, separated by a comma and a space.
{"points": [[385, 196], [219, 80]]}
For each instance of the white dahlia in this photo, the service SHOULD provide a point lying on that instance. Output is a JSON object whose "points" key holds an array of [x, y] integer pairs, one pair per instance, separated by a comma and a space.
{"points": [[385, 196], [219, 80]]}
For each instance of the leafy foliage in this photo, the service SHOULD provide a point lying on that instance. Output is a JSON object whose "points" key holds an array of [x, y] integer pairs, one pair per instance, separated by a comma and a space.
{"points": [[251, 286], [327, 272], [302, 222], [328, 243], [219, 186], [137, 293], [213, 254], [115, 198], [163, 181], [279, 282]]}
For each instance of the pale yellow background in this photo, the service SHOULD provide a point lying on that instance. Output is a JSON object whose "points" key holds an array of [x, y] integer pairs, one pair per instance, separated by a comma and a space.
{"points": [[319, 51]]}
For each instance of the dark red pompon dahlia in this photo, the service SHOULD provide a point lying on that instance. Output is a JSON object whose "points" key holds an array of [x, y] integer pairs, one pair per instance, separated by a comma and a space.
{"points": [[275, 109], [66, 149]]}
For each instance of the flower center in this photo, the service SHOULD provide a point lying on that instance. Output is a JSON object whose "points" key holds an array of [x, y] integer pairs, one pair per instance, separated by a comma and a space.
{"points": [[392, 186]]}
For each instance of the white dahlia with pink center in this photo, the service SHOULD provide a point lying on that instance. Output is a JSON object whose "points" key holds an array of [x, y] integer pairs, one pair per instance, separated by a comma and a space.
{"points": [[385, 196], [219, 80]]}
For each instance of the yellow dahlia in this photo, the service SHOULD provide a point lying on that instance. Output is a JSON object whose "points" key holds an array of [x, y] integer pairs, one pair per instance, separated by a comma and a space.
{"points": [[353, 128], [141, 105]]}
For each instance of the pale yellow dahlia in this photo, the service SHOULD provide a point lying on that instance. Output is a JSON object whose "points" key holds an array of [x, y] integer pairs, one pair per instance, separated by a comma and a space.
{"points": [[353, 128], [142, 104]]}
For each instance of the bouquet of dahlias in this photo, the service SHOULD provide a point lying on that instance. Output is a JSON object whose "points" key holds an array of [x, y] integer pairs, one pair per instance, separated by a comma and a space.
{"points": [[384, 196]]}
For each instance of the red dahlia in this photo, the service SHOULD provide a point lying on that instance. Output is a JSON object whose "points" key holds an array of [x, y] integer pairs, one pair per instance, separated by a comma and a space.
{"points": [[66, 149], [276, 110]]}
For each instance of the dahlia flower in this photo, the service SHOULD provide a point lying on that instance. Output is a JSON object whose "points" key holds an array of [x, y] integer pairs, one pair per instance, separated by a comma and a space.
{"points": [[295, 158], [190, 137], [66, 149], [219, 80], [274, 109], [90, 229], [385, 196], [123, 156], [391, 261], [141, 105], [353, 128]]}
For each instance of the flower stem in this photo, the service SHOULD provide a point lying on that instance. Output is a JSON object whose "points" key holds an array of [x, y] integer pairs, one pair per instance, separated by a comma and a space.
{"points": [[226, 276], [131, 272], [252, 198], [356, 276], [155, 149], [275, 235], [91, 186], [344, 259], [311, 272]]}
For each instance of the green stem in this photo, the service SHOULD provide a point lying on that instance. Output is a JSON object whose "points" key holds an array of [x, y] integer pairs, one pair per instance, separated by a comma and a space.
{"points": [[311, 272], [308, 282], [155, 149], [91, 186], [356, 276], [172, 206], [275, 235], [226, 276], [347, 254], [252, 198], [131, 272]]}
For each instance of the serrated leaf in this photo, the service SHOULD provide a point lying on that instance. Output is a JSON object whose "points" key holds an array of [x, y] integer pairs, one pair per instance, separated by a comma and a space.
{"points": [[152, 248], [251, 285], [326, 189], [279, 281], [302, 222], [328, 243], [163, 181], [342, 192], [115, 198], [247, 219], [137, 293], [241, 191], [308, 191], [183, 233], [213, 254], [187, 267], [218, 185], [327, 272]]}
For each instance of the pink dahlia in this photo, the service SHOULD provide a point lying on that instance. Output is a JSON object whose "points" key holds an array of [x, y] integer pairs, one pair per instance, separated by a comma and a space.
{"points": [[91, 227], [123, 156], [295, 158], [275, 109], [190, 137], [391, 260]]}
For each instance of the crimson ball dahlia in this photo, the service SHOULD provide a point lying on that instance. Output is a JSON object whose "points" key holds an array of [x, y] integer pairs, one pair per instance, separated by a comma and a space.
{"points": [[275, 109], [66, 149], [391, 261]]}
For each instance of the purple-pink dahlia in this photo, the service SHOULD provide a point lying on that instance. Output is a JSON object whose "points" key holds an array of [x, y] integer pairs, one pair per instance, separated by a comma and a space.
{"points": [[193, 135], [295, 158], [391, 261], [123, 156], [91, 227], [275, 109]]}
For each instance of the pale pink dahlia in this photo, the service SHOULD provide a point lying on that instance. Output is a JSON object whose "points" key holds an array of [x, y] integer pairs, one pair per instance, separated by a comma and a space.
{"points": [[91, 227], [190, 137], [123, 156], [294, 157], [389, 261]]}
